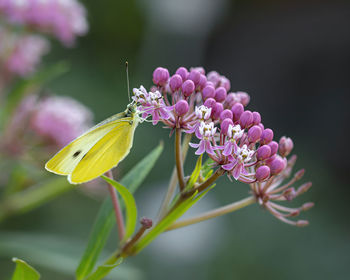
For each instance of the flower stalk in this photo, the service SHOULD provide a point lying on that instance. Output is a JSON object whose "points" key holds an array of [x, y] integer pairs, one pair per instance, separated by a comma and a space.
{"points": [[117, 209], [178, 157], [214, 213]]}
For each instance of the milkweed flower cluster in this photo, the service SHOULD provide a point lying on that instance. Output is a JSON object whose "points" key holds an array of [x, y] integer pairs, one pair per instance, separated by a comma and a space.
{"points": [[235, 138], [20, 54], [60, 119], [64, 19]]}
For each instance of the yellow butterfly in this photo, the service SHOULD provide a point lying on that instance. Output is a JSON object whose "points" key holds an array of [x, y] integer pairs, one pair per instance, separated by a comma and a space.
{"points": [[98, 150]]}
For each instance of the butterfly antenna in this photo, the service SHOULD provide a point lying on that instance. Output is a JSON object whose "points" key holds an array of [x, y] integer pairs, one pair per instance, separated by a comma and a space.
{"points": [[127, 78]]}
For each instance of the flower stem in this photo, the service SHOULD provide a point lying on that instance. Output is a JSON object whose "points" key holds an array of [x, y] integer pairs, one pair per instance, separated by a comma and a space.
{"points": [[214, 213], [117, 209], [178, 157], [173, 180]]}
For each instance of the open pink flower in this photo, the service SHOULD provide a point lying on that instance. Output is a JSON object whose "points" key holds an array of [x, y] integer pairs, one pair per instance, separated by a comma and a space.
{"points": [[241, 156], [207, 132]]}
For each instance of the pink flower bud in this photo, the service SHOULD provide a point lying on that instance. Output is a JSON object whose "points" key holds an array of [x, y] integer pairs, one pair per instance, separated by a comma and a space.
{"points": [[254, 133], [213, 77], [306, 206], [256, 118], [244, 97], [182, 71], [175, 82], [188, 87], [210, 103], [262, 173], [266, 136], [246, 119], [263, 152], [226, 114], [225, 124], [146, 222], [270, 159], [299, 174], [160, 76], [304, 188], [181, 107], [261, 126], [289, 194], [202, 82], [195, 76], [231, 99], [220, 94], [217, 110], [199, 69], [302, 223], [277, 165], [224, 82], [274, 147], [285, 146], [208, 92], [237, 111]]}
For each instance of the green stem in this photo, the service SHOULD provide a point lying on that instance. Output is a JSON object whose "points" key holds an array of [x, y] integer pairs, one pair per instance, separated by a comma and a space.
{"points": [[214, 213], [178, 158], [173, 179]]}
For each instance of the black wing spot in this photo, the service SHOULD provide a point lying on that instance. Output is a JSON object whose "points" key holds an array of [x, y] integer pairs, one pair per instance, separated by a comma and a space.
{"points": [[77, 153]]}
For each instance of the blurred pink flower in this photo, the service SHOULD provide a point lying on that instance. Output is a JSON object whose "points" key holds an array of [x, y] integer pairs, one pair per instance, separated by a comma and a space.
{"points": [[20, 54], [65, 19], [61, 119]]}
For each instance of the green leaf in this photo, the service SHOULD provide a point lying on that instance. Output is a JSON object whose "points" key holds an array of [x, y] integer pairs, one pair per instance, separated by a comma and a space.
{"points": [[103, 270], [31, 85], [207, 169], [130, 205], [105, 219], [195, 173], [24, 271]]}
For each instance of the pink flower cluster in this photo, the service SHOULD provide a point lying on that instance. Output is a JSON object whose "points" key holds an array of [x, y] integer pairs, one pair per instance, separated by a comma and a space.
{"points": [[60, 119], [20, 54], [65, 19], [232, 136]]}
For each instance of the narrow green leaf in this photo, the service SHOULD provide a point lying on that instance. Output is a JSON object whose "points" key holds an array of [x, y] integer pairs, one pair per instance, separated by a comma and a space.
{"points": [[195, 173], [28, 199], [103, 270], [105, 219], [130, 205], [24, 271], [207, 168]]}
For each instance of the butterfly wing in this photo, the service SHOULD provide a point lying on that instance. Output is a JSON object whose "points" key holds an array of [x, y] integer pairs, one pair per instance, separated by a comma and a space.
{"points": [[64, 162], [105, 153]]}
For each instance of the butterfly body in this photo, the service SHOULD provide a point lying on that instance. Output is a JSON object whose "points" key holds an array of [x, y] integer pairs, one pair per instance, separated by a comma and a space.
{"points": [[98, 150]]}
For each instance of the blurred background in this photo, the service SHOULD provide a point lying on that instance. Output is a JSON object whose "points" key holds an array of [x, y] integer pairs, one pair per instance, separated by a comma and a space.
{"points": [[292, 57]]}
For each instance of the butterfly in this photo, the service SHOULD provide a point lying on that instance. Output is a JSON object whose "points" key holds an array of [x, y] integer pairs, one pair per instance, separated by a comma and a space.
{"points": [[98, 150]]}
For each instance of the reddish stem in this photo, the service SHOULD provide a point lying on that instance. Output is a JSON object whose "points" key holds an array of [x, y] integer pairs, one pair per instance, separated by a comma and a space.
{"points": [[118, 211]]}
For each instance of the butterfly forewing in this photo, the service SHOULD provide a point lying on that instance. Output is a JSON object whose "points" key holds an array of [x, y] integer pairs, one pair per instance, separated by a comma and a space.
{"points": [[106, 153], [64, 162]]}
